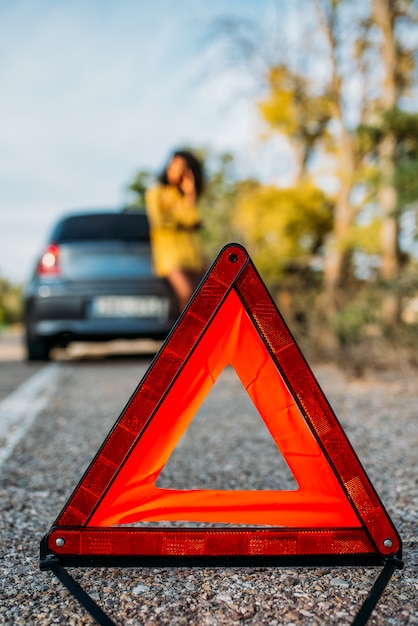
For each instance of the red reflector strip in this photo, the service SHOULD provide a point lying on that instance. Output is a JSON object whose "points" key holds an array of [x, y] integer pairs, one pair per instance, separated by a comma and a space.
{"points": [[213, 542]]}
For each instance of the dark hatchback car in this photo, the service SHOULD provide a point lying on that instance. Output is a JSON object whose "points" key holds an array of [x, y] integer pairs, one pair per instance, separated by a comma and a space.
{"points": [[94, 282]]}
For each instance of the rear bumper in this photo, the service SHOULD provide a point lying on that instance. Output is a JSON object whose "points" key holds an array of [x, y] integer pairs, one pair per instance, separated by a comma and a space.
{"points": [[62, 317], [99, 329]]}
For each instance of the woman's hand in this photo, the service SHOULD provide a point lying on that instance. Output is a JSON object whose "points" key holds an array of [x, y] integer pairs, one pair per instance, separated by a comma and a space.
{"points": [[187, 185]]}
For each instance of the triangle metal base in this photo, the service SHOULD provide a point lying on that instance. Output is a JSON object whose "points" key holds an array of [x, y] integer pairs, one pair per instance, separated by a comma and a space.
{"points": [[51, 562]]}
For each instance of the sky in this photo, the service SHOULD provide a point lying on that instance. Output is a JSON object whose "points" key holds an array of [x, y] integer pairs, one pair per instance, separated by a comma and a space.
{"points": [[92, 91]]}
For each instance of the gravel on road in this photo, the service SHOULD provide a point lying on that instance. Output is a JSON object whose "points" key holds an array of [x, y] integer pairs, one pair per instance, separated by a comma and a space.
{"points": [[379, 415]]}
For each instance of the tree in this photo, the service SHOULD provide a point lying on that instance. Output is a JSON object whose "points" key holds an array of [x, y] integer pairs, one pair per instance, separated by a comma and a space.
{"points": [[293, 109], [309, 110], [219, 201], [329, 13], [283, 228], [138, 187], [10, 303], [398, 64], [366, 69]]}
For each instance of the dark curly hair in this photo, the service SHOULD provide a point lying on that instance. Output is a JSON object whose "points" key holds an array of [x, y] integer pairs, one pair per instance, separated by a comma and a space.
{"points": [[194, 164]]}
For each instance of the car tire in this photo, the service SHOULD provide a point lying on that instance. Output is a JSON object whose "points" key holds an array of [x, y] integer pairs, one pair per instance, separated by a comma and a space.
{"points": [[37, 349]]}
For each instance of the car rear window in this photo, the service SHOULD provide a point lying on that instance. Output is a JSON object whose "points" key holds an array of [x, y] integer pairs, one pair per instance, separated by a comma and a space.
{"points": [[102, 227]]}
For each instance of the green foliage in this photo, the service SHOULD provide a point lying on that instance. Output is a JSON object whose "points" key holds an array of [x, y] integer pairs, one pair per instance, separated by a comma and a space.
{"points": [[10, 303], [369, 137], [366, 60], [364, 339], [282, 228], [354, 320], [365, 238], [405, 127], [406, 182], [138, 187], [293, 109], [402, 124], [218, 202]]}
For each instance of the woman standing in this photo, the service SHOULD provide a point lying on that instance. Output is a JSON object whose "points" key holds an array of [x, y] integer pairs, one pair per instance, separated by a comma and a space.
{"points": [[175, 223]]}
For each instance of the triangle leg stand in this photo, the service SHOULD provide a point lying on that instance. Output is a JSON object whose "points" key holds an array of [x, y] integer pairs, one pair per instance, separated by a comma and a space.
{"points": [[377, 590], [51, 562], [77, 591]]}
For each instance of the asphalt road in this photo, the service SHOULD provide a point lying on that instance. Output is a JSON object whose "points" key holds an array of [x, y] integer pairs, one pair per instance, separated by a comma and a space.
{"points": [[57, 415], [13, 368]]}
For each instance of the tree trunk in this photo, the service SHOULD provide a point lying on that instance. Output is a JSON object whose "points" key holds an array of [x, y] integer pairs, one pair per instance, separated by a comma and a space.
{"points": [[384, 16], [388, 203], [336, 252]]}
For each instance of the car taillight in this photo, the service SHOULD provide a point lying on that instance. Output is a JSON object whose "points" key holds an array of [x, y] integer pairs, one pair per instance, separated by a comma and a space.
{"points": [[49, 263]]}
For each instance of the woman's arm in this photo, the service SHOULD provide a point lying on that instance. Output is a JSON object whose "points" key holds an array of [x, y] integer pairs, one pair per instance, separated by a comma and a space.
{"points": [[168, 208]]}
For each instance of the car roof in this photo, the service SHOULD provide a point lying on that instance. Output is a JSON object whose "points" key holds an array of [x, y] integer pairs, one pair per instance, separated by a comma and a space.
{"points": [[101, 225]]}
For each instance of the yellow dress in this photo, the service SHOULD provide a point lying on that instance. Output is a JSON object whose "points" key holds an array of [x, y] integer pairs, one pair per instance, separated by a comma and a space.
{"points": [[174, 231]]}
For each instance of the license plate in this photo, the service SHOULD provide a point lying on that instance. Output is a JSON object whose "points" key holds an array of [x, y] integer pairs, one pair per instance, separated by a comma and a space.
{"points": [[130, 306]]}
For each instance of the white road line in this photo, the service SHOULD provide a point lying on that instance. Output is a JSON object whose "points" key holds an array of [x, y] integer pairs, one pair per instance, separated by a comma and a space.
{"points": [[20, 409]]}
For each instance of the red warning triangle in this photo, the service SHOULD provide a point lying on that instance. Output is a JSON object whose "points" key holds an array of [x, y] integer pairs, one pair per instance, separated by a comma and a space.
{"points": [[335, 512]]}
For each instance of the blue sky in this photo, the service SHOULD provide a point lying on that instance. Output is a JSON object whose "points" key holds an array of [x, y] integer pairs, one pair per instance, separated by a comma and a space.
{"points": [[94, 90]]}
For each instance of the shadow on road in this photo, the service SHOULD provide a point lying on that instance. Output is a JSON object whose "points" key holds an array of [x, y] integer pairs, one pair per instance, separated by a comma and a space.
{"points": [[142, 349], [12, 349]]}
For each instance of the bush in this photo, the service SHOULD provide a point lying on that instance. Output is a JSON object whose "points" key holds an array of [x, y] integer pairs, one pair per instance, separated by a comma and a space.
{"points": [[357, 337], [10, 303]]}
